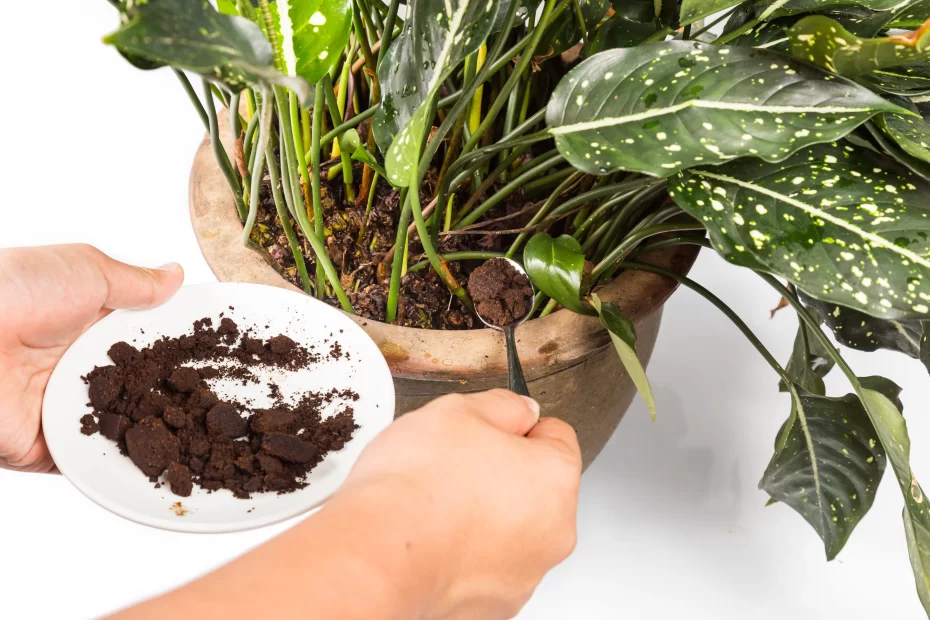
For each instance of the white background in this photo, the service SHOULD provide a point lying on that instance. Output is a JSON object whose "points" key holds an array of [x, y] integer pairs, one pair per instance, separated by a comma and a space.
{"points": [[671, 523]]}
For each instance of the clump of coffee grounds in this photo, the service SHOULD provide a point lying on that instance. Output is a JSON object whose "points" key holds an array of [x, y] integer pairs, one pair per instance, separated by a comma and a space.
{"points": [[501, 293], [163, 415]]}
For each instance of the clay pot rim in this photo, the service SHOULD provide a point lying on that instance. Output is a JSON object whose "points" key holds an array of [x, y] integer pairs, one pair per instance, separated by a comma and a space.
{"points": [[545, 344]]}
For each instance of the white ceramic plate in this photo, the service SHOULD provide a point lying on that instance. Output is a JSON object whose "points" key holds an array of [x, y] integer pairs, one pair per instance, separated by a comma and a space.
{"points": [[95, 465]]}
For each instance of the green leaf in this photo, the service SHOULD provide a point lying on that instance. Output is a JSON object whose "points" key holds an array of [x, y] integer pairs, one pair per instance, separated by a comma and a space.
{"points": [[844, 224], [555, 267], [435, 39], [191, 35], [403, 156], [912, 133], [523, 11], [923, 350], [893, 150], [693, 10], [809, 363], [827, 465], [780, 8], [862, 332], [907, 80], [313, 34], [361, 154], [622, 31], [568, 32], [826, 43], [662, 107], [227, 7], [623, 335]]}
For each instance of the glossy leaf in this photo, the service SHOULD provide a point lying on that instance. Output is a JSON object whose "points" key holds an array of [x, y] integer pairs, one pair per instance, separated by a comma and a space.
{"points": [[918, 549], [809, 363], [893, 150], [403, 156], [827, 465], [693, 10], [923, 350], [622, 31], [623, 335], [313, 34], [770, 35], [862, 332], [435, 39], [185, 35], [912, 133], [780, 8], [907, 80], [826, 43], [844, 224], [567, 33], [663, 107], [555, 267], [502, 7]]}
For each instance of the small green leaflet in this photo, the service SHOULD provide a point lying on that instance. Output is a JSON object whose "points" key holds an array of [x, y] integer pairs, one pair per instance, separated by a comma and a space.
{"points": [[313, 34], [912, 133], [403, 156], [555, 267], [185, 35], [623, 335], [663, 107], [827, 465], [438, 35], [844, 224], [826, 43], [693, 10]]}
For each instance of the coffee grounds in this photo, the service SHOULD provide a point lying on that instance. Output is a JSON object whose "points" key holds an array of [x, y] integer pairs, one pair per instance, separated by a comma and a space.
{"points": [[501, 293], [163, 415]]}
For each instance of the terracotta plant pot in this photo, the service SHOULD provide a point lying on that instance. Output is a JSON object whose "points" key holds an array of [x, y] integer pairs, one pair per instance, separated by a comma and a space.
{"points": [[569, 362]]}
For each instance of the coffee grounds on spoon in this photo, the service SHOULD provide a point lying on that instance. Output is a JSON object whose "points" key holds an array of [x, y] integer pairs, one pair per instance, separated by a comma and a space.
{"points": [[161, 412]]}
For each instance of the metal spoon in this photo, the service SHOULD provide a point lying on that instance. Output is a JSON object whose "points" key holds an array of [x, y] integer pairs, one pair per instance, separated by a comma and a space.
{"points": [[515, 381]]}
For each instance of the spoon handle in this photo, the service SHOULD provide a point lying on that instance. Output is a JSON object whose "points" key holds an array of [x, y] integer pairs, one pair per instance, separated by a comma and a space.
{"points": [[515, 381]]}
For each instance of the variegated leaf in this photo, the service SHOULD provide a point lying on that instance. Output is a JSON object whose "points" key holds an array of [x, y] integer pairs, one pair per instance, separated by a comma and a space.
{"points": [[826, 43], [693, 10], [910, 80], [191, 35], [435, 39], [663, 107], [844, 224], [827, 465], [312, 33], [809, 363], [779, 8], [912, 133]]}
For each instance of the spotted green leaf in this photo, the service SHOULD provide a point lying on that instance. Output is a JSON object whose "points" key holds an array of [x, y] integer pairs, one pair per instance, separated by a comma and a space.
{"points": [[663, 107], [191, 35], [918, 549], [623, 335], [862, 332], [555, 267], [780, 8], [693, 10], [912, 133], [826, 43], [827, 465], [844, 224], [809, 363], [312, 33], [893, 150], [435, 39], [620, 30], [923, 349]]}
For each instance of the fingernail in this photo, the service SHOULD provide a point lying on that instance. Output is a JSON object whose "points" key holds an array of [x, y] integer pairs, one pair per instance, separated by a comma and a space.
{"points": [[532, 404], [173, 267]]}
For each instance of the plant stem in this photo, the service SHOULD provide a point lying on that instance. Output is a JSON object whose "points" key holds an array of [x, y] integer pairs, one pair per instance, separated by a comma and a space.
{"points": [[541, 213], [396, 266], [264, 129], [725, 15], [285, 220], [272, 35], [631, 241], [576, 4], [315, 132], [388, 32], [220, 155], [456, 256], [703, 292], [249, 135], [332, 104]]}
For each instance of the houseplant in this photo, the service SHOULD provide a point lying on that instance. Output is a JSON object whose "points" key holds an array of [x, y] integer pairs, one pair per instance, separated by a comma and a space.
{"points": [[793, 139]]}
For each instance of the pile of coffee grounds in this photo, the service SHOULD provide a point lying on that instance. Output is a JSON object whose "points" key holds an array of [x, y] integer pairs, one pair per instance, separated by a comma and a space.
{"points": [[163, 415], [501, 293]]}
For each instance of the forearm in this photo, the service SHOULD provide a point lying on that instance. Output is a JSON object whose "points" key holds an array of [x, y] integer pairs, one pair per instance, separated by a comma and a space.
{"points": [[350, 560]]}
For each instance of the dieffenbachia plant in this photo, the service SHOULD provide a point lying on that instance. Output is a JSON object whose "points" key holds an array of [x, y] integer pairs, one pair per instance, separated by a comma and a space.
{"points": [[788, 135]]}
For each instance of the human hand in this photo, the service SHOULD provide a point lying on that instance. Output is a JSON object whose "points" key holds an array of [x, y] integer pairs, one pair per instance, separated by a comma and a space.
{"points": [[48, 297], [483, 511]]}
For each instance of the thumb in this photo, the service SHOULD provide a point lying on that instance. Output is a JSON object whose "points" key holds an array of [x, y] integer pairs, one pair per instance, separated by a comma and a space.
{"points": [[504, 410], [136, 288], [559, 436]]}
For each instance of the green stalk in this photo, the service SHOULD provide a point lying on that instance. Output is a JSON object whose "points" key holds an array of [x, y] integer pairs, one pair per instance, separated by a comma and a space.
{"points": [[455, 256], [335, 112], [376, 26], [508, 189], [235, 127], [397, 265], [315, 132], [285, 219], [625, 215], [576, 4], [371, 200], [594, 236], [264, 129], [541, 213], [525, 58], [388, 32], [272, 35], [546, 181], [596, 213], [298, 140], [703, 292], [632, 240], [219, 153], [249, 135]]}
